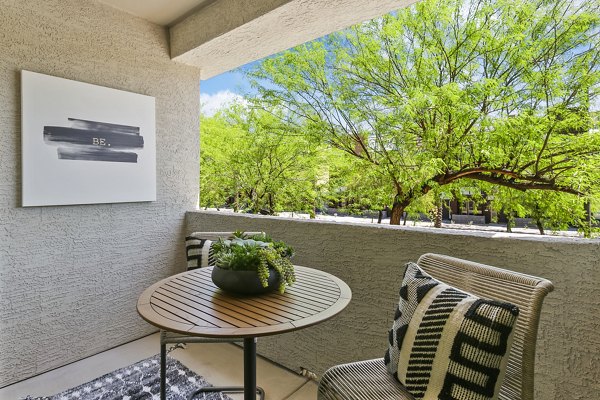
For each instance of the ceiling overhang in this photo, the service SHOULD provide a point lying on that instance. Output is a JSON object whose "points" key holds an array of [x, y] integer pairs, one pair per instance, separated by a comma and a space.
{"points": [[226, 34], [161, 12]]}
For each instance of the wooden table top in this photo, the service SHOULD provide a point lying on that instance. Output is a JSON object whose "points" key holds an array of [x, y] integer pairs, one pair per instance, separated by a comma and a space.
{"points": [[190, 303]]}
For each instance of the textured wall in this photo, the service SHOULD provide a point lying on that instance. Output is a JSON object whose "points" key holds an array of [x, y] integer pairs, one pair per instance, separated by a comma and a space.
{"points": [[70, 276], [370, 260]]}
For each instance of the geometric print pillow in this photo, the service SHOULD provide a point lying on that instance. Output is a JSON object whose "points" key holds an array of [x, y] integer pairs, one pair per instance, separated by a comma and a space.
{"points": [[448, 344], [199, 247]]}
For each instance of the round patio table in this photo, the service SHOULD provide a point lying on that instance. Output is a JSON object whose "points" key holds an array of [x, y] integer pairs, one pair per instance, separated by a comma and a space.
{"points": [[189, 303]]}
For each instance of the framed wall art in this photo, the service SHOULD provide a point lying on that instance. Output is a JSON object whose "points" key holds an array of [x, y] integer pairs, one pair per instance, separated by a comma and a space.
{"points": [[85, 144]]}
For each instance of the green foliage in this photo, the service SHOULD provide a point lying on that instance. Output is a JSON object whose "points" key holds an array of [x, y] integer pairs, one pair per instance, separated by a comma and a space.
{"points": [[495, 91], [249, 161], [217, 180], [351, 182], [552, 211], [256, 253]]}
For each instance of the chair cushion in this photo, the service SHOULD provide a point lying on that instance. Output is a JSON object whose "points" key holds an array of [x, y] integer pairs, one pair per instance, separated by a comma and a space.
{"points": [[446, 343], [198, 250]]}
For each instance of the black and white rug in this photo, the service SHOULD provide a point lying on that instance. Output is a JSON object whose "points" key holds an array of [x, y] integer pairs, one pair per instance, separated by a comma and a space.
{"points": [[140, 381]]}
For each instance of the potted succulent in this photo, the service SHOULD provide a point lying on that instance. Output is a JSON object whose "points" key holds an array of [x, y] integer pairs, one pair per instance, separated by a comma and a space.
{"points": [[252, 264]]}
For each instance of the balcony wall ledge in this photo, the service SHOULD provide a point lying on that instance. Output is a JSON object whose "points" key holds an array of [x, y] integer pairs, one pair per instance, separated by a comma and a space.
{"points": [[426, 230], [370, 258]]}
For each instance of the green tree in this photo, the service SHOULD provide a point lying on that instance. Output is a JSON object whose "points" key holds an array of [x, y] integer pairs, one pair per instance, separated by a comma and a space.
{"points": [[552, 211], [352, 183], [496, 91], [250, 162], [217, 181]]}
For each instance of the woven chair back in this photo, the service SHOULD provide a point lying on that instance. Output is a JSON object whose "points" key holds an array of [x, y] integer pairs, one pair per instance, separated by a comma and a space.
{"points": [[527, 292]]}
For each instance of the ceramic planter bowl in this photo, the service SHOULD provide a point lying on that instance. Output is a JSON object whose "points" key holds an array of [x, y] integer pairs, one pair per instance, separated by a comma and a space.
{"points": [[243, 282]]}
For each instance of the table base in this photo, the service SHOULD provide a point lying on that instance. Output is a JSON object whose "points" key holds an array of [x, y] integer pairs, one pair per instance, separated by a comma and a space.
{"points": [[249, 389], [227, 389]]}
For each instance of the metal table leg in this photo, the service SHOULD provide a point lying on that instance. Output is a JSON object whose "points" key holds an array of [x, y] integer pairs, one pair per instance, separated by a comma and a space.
{"points": [[249, 368], [163, 367], [250, 389]]}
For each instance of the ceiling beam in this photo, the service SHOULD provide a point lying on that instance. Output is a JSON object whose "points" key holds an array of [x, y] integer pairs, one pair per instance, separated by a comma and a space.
{"points": [[229, 33]]}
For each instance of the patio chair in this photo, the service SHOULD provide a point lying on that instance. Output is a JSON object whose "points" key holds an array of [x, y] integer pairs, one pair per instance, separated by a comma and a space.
{"points": [[198, 251], [371, 380]]}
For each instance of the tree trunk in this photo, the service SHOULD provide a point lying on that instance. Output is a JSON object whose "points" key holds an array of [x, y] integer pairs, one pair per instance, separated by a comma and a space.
{"points": [[397, 211], [510, 222], [438, 213], [587, 228], [271, 205], [540, 226], [236, 202]]}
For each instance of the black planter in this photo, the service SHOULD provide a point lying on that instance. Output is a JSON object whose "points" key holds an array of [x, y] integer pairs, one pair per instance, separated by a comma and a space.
{"points": [[243, 282]]}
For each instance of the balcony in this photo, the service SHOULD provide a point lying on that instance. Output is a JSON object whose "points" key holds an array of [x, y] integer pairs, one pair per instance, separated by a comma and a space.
{"points": [[369, 259], [70, 276]]}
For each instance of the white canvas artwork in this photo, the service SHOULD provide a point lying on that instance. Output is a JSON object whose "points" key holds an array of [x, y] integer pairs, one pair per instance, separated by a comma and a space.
{"points": [[85, 144]]}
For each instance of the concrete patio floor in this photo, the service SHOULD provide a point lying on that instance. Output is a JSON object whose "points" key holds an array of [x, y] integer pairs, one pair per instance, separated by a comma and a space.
{"points": [[218, 363]]}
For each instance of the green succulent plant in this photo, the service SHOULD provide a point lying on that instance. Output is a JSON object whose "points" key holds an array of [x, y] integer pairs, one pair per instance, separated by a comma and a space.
{"points": [[258, 253]]}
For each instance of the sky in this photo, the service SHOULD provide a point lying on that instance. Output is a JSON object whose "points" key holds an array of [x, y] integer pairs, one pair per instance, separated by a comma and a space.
{"points": [[223, 89]]}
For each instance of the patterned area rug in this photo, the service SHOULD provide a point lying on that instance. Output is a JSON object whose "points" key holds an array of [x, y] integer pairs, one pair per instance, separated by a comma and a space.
{"points": [[140, 381]]}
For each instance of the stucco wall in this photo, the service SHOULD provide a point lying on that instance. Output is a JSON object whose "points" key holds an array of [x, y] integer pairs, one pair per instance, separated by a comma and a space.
{"points": [[370, 260], [70, 276]]}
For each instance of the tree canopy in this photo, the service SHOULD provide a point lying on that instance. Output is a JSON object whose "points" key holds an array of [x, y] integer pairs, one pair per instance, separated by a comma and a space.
{"points": [[495, 91], [249, 161]]}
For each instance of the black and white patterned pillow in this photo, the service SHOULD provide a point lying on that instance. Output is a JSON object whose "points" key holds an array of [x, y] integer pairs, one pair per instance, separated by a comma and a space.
{"points": [[198, 247], [448, 344]]}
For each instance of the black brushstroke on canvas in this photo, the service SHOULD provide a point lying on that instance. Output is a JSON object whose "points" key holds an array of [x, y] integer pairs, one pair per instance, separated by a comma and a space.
{"points": [[103, 126], [96, 155], [98, 138], [95, 141]]}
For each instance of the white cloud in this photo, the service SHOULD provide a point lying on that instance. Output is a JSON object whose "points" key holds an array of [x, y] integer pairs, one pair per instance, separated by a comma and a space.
{"points": [[211, 103]]}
